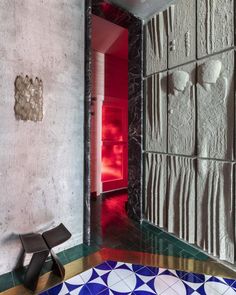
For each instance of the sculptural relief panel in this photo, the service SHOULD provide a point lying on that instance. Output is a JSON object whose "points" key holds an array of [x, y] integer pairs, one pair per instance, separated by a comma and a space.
{"points": [[155, 205], [215, 26], [182, 35], [215, 208], [215, 104], [181, 110], [156, 113], [181, 197], [156, 44], [28, 99]]}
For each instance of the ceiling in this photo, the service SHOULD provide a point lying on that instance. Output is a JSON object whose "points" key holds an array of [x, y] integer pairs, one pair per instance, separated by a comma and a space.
{"points": [[113, 43], [143, 9]]}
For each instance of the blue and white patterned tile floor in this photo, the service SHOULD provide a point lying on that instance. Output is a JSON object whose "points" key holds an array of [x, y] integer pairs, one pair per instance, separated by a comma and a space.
{"points": [[118, 278]]}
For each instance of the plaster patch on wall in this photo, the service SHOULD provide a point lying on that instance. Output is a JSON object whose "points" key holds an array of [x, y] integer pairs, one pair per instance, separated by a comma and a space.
{"points": [[215, 207], [181, 194], [155, 209], [184, 23], [215, 25], [156, 111], [156, 44], [28, 99], [215, 99], [181, 111]]}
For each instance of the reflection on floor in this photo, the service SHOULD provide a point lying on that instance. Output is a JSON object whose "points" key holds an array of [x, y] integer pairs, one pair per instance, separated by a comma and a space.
{"points": [[112, 228], [120, 239], [116, 278]]}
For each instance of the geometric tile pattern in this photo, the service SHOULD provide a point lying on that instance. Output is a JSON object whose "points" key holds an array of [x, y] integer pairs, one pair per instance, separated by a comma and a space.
{"points": [[117, 278]]}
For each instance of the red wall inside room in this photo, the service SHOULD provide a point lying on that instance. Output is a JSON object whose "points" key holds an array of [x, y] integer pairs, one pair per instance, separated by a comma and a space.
{"points": [[116, 77], [112, 41]]}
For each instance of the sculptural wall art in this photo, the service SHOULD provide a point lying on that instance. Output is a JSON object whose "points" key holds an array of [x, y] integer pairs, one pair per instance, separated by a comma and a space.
{"points": [[156, 44], [155, 207], [215, 100], [28, 99], [181, 111], [156, 112], [182, 38], [215, 209], [215, 26], [190, 132]]}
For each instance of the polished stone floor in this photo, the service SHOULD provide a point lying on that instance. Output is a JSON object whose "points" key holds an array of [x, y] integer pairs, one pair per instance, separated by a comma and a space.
{"points": [[116, 238], [111, 228]]}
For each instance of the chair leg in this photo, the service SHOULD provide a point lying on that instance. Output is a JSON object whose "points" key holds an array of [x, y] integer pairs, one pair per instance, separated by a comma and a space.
{"points": [[58, 267], [34, 269]]}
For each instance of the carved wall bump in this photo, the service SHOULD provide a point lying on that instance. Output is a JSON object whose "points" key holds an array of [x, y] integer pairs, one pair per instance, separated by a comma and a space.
{"points": [[156, 111], [185, 40], [215, 207], [182, 195], [155, 209], [215, 26], [171, 17], [28, 99], [215, 99], [181, 111], [179, 80], [156, 44]]}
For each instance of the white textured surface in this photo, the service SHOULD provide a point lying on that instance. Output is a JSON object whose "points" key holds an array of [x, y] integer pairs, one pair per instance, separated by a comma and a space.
{"points": [[216, 111], [155, 189], [215, 209], [183, 35], [181, 114], [155, 34], [215, 25], [41, 176], [211, 99], [156, 113], [181, 197]]}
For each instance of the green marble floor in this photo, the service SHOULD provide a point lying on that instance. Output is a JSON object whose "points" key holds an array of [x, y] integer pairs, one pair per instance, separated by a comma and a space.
{"points": [[111, 228]]}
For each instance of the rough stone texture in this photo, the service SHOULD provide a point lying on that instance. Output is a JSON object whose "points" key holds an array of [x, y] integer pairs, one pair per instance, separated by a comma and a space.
{"points": [[216, 107], [155, 205], [215, 26], [28, 99], [182, 196], [156, 44], [182, 40], [181, 110], [215, 209], [156, 113], [200, 123], [41, 176]]}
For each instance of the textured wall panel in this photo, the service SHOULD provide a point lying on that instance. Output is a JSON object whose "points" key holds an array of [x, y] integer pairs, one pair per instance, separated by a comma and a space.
{"points": [[215, 26], [156, 113], [41, 176], [182, 34], [215, 104], [181, 194], [155, 189], [181, 110], [156, 44], [215, 209]]}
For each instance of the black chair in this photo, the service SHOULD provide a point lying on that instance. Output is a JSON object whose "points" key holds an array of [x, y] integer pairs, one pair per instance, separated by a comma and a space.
{"points": [[41, 246]]}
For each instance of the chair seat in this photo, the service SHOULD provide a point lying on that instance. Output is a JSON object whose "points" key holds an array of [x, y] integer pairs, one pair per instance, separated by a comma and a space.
{"points": [[56, 236], [33, 243]]}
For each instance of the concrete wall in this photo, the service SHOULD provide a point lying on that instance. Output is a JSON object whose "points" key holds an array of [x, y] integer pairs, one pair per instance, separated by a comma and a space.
{"points": [[190, 123], [41, 174]]}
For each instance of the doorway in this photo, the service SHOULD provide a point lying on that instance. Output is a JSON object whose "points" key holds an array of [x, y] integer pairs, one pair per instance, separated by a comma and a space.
{"points": [[109, 114], [125, 20]]}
